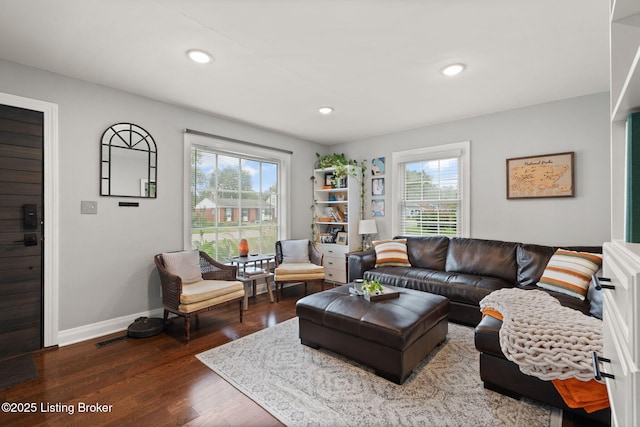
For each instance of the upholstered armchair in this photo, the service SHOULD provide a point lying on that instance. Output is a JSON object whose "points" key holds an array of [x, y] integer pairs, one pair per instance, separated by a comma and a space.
{"points": [[297, 261], [193, 282]]}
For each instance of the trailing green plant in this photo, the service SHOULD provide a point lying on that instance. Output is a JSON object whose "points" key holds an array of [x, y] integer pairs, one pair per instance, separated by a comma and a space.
{"points": [[331, 160]]}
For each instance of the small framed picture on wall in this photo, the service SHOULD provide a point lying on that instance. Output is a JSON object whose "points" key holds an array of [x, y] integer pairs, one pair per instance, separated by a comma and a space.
{"points": [[377, 187], [377, 207], [377, 166]]}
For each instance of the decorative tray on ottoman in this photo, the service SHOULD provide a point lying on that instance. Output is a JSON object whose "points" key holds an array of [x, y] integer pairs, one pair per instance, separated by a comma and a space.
{"points": [[384, 294]]}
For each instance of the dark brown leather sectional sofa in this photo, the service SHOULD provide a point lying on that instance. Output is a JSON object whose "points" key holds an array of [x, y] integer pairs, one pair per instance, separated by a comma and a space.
{"points": [[465, 271]]}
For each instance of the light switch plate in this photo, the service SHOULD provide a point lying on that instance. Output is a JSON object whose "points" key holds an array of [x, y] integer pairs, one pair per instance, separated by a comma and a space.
{"points": [[88, 207]]}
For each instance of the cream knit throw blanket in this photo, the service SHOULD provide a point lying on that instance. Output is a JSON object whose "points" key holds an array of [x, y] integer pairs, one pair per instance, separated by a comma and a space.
{"points": [[543, 338]]}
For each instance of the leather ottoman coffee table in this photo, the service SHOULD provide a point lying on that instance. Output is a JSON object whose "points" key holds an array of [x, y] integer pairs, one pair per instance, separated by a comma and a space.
{"points": [[391, 336]]}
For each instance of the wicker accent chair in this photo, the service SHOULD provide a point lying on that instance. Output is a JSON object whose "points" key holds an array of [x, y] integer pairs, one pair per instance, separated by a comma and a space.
{"points": [[297, 272], [218, 286]]}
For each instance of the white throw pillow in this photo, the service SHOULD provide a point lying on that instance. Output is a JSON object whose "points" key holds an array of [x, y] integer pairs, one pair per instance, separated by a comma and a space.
{"points": [[185, 264], [295, 250]]}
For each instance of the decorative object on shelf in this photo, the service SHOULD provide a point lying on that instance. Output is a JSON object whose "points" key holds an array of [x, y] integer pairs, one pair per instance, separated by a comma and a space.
{"points": [[326, 238], [341, 238], [377, 166], [328, 181], [548, 175], [128, 159], [243, 247], [333, 231], [367, 227]]}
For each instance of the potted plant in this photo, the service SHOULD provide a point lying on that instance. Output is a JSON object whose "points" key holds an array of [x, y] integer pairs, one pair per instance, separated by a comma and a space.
{"points": [[371, 287]]}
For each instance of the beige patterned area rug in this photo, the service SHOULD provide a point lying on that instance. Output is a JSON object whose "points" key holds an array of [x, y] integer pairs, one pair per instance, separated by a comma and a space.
{"points": [[301, 386]]}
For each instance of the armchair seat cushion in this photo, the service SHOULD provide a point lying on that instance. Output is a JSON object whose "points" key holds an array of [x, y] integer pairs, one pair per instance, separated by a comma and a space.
{"points": [[208, 289], [211, 302], [291, 271]]}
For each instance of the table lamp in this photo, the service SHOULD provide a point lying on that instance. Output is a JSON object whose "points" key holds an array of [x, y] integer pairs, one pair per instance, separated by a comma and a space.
{"points": [[367, 227]]}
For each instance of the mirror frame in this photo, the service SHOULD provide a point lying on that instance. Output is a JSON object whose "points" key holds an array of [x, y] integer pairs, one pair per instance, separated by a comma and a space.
{"points": [[128, 136]]}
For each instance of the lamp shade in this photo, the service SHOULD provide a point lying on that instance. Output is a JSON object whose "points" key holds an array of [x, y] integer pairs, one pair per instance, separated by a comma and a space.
{"points": [[367, 226]]}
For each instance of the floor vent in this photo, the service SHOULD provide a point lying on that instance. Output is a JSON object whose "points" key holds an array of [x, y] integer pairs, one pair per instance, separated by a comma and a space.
{"points": [[111, 341]]}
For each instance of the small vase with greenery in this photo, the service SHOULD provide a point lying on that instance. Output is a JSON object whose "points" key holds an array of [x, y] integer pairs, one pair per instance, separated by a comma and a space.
{"points": [[372, 287]]}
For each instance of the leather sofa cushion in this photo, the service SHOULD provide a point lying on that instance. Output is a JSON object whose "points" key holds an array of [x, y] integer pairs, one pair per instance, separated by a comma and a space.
{"points": [[461, 288], [428, 251], [532, 260], [480, 257]]}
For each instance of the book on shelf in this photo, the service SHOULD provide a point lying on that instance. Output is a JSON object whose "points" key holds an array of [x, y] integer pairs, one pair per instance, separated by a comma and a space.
{"points": [[331, 212]]}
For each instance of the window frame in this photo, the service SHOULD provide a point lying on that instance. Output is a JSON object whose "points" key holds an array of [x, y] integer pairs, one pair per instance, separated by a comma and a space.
{"points": [[398, 158], [235, 148]]}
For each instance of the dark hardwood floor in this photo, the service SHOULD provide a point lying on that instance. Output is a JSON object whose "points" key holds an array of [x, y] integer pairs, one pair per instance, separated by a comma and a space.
{"points": [[153, 381]]}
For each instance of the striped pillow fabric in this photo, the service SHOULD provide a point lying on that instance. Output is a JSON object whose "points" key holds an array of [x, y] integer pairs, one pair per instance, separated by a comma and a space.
{"points": [[570, 272], [391, 253]]}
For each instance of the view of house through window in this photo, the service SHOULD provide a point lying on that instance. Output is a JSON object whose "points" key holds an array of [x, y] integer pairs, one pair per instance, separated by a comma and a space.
{"points": [[432, 197], [233, 198]]}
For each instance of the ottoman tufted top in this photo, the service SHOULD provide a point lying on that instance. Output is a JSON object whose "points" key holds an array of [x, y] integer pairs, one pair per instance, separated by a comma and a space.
{"points": [[395, 323]]}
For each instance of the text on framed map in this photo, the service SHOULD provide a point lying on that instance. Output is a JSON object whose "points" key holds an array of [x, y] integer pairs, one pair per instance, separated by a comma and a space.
{"points": [[548, 175]]}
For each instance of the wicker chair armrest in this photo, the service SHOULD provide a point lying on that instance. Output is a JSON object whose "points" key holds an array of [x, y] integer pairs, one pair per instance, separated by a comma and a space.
{"points": [[171, 284], [278, 255], [315, 256], [214, 270]]}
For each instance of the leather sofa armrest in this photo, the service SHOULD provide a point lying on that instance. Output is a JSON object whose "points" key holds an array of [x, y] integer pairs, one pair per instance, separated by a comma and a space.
{"points": [[487, 336], [359, 262]]}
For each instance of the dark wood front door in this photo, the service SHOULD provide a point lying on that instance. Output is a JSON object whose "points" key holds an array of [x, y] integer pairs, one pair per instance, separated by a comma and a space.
{"points": [[21, 224]]}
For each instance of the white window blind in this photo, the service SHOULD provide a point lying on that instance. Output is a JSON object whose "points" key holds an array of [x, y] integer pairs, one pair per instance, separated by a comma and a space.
{"points": [[432, 196]]}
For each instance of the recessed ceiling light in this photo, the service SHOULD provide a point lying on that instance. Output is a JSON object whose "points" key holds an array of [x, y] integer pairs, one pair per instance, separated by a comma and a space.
{"points": [[453, 69], [325, 110], [199, 56]]}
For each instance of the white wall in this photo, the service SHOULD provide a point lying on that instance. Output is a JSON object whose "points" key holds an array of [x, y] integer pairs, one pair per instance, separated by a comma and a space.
{"points": [[579, 124], [106, 260]]}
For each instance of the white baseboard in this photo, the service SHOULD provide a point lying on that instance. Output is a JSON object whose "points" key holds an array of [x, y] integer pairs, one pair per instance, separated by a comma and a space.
{"points": [[106, 327]]}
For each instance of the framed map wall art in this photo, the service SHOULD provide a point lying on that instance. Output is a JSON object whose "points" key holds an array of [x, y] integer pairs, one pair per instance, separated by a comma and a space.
{"points": [[548, 175]]}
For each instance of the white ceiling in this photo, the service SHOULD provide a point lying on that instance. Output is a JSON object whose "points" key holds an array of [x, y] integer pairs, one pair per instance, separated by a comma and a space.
{"points": [[377, 62]]}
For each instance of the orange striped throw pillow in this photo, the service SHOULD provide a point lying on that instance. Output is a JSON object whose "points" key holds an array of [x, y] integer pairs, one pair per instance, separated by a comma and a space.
{"points": [[391, 253], [570, 272]]}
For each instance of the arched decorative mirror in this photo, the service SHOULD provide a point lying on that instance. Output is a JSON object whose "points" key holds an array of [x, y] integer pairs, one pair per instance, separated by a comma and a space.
{"points": [[128, 161]]}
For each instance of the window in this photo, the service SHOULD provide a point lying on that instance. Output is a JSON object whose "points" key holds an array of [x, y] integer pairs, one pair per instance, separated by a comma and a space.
{"points": [[431, 197], [235, 192]]}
